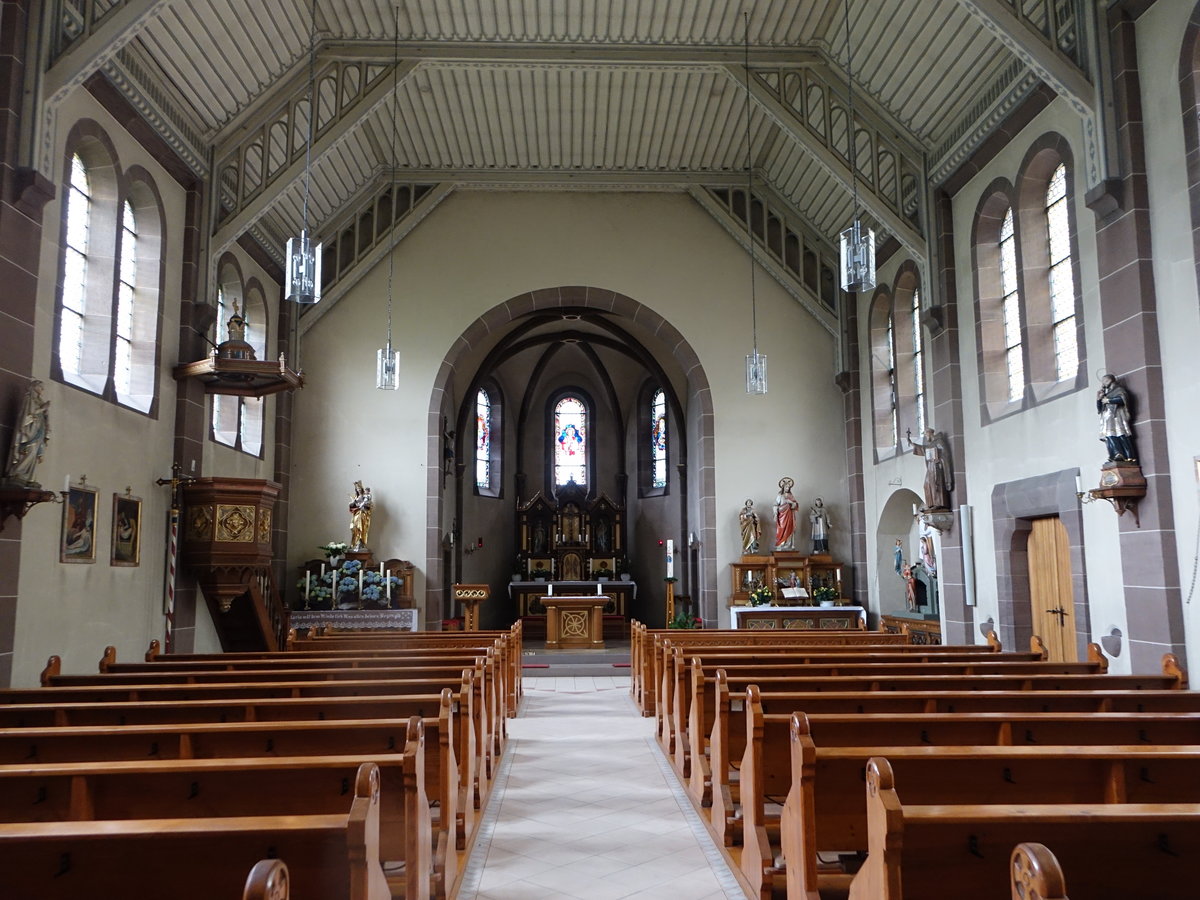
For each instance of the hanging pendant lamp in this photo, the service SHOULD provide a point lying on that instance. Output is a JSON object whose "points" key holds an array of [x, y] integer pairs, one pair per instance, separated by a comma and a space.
{"points": [[858, 241], [302, 272], [756, 363], [387, 359]]}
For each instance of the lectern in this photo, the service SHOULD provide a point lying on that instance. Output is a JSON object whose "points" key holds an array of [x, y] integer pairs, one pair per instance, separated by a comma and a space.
{"points": [[471, 595]]}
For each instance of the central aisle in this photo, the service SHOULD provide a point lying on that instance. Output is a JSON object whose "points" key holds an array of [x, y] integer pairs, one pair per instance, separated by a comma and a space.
{"points": [[586, 808]]}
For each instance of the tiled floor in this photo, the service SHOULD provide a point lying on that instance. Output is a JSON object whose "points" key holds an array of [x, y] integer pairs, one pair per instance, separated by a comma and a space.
{"points": [[585, 808]]}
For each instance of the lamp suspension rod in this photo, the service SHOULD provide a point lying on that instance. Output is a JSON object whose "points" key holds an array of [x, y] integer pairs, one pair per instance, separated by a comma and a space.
{"points": [[852, 135], [750, 192], [395, 128], [312, 112]]}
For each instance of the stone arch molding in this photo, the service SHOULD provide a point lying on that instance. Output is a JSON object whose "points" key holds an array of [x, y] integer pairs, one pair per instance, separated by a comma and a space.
{"points": [[697, 397]]}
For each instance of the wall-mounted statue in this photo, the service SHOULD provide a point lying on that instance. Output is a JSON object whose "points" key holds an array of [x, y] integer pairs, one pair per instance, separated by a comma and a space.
{"points": [[785, 515], [939, 470], [361, 505], [1115, 406], [818, 518], [30, 436], [750, 527]]}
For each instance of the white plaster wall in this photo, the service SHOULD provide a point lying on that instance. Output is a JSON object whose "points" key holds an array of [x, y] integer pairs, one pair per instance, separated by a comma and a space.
{"points": [[1160, 33], [477, 250], [1056, 435], [75, 610]]}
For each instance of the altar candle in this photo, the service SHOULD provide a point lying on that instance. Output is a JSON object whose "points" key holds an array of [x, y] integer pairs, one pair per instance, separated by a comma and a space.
{"points": [[550, 590], [381, 570], [597, 589], [360, 574], [670, 559], [307, 581], [67, 483], [389, 590], [322, 571]]}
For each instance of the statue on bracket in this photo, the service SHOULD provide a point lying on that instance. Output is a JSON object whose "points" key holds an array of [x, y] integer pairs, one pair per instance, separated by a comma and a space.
{"points": [[30, 436], [939, 472], [750, 528], [361, 505], [785, 515], [1115, 407]]}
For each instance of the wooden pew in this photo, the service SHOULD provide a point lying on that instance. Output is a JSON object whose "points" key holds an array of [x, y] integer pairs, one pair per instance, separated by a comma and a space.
{"points": [[268, 880], [474, 743], [798, 756], [507, 650], [667, 648], [646, 675], [1036, 874], [963, 850], [330, 857], [691, 720], [277, 786], [490, 692]]}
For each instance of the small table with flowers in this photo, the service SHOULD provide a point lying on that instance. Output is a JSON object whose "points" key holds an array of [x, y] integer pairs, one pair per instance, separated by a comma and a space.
{"points": [[792, 618]]}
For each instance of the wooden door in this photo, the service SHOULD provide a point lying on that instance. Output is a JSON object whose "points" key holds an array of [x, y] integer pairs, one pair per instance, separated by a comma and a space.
{"points": [[1050, 589]]}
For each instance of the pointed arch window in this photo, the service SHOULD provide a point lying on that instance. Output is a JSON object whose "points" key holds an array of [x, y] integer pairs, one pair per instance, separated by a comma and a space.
{"points": [[570, 441], [1062, 278], [483, 440], [1011, 308], [126, 285], [658, 440]]}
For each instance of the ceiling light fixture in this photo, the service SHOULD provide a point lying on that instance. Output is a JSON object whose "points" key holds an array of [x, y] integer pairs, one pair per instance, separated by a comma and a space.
{"points": [[857, 241], [387, 360], [302, 275], [756, 363]]}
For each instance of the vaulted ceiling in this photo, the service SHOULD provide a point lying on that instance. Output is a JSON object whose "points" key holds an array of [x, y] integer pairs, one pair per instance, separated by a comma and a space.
{"points": [[571, 95]]}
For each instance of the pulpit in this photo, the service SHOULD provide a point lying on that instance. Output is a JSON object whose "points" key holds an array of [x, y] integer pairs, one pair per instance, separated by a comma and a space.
{"points": [[575, 622], [470, 596]]}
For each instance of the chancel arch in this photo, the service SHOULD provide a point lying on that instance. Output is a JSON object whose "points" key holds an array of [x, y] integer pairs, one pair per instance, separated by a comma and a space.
{"points": [[601, 348]]}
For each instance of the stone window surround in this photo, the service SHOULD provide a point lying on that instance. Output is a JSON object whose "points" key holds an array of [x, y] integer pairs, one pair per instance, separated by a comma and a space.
{"points": [[496, 457], [110, 189], [1027, 199], [894, 304], [645, 465]]}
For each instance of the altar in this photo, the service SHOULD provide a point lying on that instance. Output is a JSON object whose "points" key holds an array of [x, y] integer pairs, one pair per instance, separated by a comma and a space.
{"points": [[574, 622], [793, 618]]}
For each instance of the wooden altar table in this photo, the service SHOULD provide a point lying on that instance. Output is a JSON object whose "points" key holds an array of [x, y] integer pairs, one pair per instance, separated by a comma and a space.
{"points": [[575, 622]]}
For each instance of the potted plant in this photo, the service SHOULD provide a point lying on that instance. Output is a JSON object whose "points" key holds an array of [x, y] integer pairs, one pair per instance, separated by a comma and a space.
{"points": [[825, 596], [540, 573], [760, 596], [334, 551], [683, 619]]}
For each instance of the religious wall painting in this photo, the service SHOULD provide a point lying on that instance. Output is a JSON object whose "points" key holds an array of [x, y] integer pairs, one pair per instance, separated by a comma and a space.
{"points": [[539, 567], [126, 530], [78, 542]]}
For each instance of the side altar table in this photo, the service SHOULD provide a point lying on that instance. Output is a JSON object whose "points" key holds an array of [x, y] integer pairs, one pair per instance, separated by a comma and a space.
{"points": [[789, 618], [575, 622]]}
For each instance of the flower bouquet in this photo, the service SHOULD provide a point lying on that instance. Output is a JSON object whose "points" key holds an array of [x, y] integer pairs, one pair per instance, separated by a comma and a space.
{"points": [[761, 596]]}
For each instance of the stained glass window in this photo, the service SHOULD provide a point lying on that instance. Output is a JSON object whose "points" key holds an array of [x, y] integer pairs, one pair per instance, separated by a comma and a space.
{"points": [[1011, 306], [75, 261], [126, 283], [1062, 279], [570, 441], [658, 439], [918, 361], [483, 440]]}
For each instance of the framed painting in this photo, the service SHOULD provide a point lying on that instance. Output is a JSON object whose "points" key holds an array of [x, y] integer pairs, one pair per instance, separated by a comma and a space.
{"points": [[78, 544], [126, 530]]}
